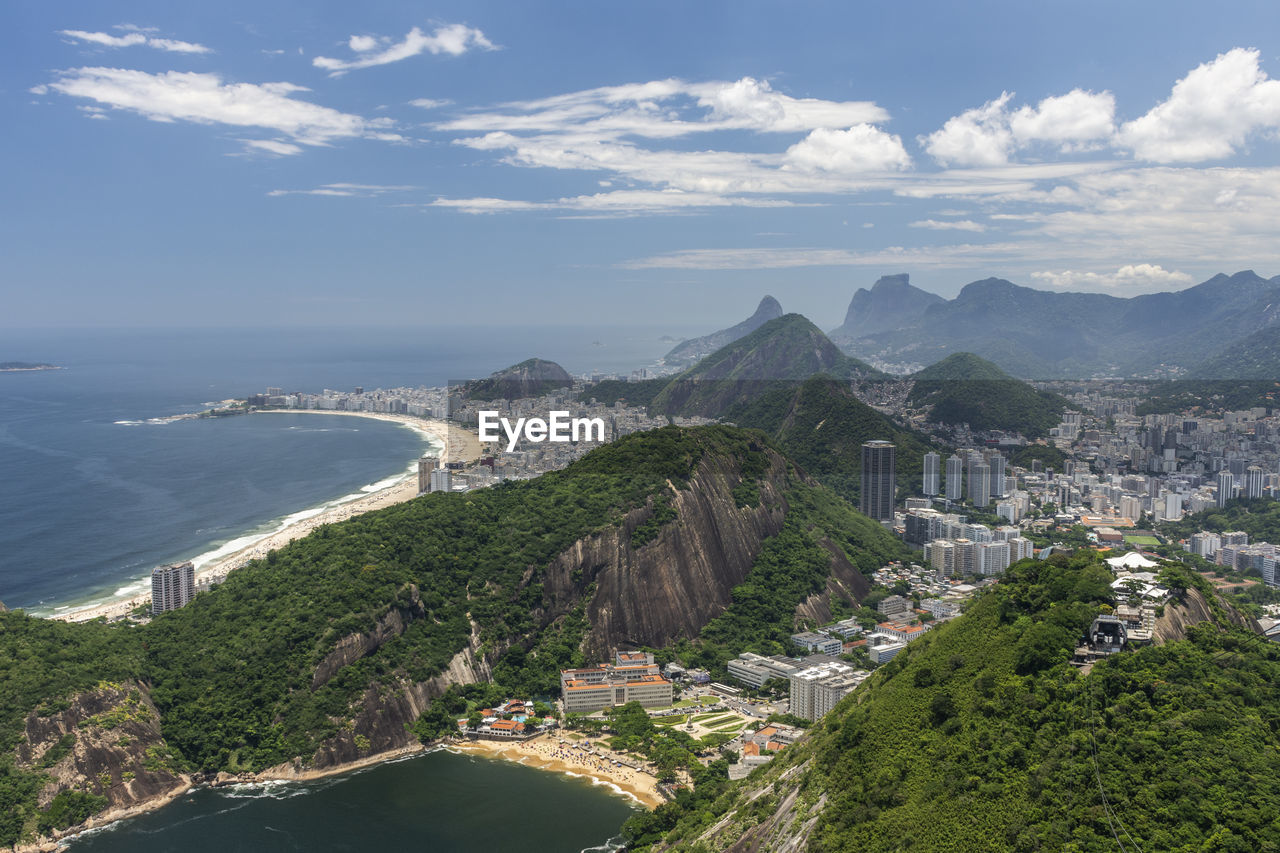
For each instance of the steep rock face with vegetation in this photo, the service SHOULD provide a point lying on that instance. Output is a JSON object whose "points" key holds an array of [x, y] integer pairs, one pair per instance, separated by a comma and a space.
{"points": [[102, 748], [980, 736], [673, 584]]}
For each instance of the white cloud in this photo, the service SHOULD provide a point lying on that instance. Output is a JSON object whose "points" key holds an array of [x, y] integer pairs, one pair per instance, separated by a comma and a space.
{"points": [[1129, 277], [954, 256], [614, 129], [206, 99], [950, 225], [453, 39], [135, 36], [272, 146], [1072, 119], [976, 137], [1210, 113], [347, 190], [988, 135], [430, 103], [618, 202], [861, 148]]}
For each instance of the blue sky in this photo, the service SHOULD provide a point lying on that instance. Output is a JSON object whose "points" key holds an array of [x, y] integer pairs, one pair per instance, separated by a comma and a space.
{"points": [[389, 163]]}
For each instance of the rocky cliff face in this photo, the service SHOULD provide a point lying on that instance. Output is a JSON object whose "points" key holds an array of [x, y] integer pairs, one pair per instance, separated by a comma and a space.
{"points": [[105, 742], [385, 716], [1192, 610], [672, 586], [355, 646]]}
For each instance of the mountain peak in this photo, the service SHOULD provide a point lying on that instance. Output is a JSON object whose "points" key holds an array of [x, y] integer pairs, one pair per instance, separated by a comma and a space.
{"points": [[695, 348], [891, 303]]}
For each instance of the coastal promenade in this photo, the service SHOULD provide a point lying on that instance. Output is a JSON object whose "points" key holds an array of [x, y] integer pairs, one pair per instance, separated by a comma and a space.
{"points": [[457, 445]]}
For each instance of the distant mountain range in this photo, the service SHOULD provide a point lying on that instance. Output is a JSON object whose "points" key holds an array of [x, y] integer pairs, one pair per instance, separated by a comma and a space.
{"points": [[687, 352], [1040, 334]]}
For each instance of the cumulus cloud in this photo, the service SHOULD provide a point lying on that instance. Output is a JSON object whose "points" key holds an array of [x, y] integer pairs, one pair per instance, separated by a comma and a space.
{"points": [[1210, 113], [134, 36], [1128, 277], [989, 135], [950, 225], [206, 99], [451, 39], [1073, 119], [976, 137], [861, 148], [430, 103]]}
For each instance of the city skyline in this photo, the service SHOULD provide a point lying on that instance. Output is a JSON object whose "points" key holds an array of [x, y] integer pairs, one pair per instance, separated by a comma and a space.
{"points": [[269, 165]]}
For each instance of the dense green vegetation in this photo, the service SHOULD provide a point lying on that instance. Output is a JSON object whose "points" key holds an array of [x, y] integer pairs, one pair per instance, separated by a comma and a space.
{"points": [[788, 348], [1259, 517], [963, 388], [981, 737], [1208, 395], [1047, 455], [821, 426], [610, 391]]}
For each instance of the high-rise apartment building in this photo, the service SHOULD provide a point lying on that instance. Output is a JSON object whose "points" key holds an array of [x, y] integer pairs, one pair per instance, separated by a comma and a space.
{"points": [[879, 472], [1226, 487], [980, 484], [932, 475], [172, 586], [955, 478]]}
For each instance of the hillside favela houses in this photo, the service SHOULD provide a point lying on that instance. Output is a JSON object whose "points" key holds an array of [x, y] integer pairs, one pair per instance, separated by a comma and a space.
{"points": [[632, 677]]}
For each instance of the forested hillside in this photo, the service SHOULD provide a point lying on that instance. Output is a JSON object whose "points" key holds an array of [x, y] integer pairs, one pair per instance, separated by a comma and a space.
{"points": [[822, 426], [982, 737]]}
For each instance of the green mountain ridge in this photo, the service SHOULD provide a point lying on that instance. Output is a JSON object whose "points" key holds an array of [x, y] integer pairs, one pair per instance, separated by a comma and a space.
{"points": [[963, 388], [821, 425], [980, 736]]}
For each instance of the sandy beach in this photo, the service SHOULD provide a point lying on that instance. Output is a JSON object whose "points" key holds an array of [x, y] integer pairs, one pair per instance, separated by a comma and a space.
{"points": [[548, 752], [459, 446]]}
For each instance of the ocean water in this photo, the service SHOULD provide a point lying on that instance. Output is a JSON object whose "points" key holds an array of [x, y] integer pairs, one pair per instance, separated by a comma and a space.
{"points": [[91, 500], [440, 802]]}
